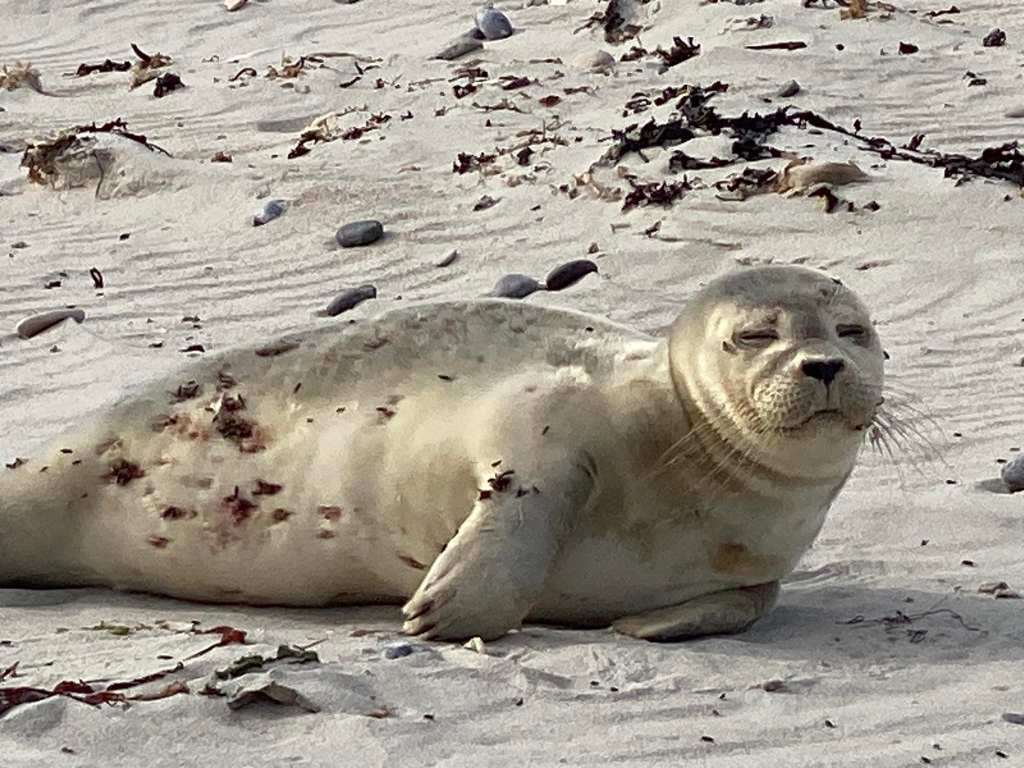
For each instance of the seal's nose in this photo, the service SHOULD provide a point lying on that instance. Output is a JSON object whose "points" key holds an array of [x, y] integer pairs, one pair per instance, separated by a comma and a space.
{"points": [[822, 370]]}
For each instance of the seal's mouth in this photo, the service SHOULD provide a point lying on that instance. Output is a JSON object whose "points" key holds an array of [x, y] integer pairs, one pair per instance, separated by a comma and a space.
{"points": [[822, 417]]}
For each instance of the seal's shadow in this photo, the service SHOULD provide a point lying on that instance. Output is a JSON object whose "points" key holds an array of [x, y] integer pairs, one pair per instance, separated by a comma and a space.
{"points": [[810, 623], [837, 623]]}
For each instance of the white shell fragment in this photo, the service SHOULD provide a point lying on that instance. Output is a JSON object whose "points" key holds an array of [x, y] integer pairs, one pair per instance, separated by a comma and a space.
{"points": [[33, 326], [594, 61]]}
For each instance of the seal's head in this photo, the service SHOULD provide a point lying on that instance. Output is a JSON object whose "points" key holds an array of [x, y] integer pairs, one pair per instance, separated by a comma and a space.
{"points": [[783, 365]]}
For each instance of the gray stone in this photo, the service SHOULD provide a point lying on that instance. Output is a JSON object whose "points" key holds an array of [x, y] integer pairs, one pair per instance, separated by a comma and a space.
{"points": [[271, 210], [348, 300], [792, 88], [359, 233], [515, 286], [1013, 473], [569, 273], [493, 24], [398, 650], [458, 47]]}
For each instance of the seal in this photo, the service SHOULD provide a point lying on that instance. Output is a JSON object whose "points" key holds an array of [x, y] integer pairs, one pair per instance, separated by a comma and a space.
{"points": [[482, 462]]}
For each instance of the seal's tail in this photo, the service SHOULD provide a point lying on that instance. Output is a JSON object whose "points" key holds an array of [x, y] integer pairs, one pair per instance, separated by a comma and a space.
{"points": [[34, 525]]}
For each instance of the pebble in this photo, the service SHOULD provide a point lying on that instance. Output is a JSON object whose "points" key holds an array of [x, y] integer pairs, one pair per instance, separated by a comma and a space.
{"points": [[448, 260], [398, 650], [1013, 473], [460, 46], [594, 61], [568, 274], [1013, 718], [515, 286], [494, 24], [33, 326], [271, 210], [234, 5], [359, 233], [1015, 112], [348, 300], [792, 88]]}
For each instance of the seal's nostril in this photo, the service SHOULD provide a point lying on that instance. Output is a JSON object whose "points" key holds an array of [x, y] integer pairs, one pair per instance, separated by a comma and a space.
{"points": [[823, 370]]}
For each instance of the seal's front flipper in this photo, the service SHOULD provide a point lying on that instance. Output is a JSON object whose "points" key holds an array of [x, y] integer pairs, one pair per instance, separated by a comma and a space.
{"points": [[493, 570], [720, 613]]}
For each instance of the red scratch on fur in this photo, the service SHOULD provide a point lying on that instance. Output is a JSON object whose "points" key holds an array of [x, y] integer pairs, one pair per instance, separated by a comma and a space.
{"points": [[412, 562], [330, 513]]}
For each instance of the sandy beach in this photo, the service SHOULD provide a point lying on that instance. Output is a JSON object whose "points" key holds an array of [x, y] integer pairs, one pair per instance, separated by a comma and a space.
{"points": [[522, 155]]}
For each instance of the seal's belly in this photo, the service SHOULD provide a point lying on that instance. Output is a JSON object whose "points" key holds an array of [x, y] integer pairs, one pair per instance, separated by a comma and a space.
{"points": [[602, 578], [311, 507]]}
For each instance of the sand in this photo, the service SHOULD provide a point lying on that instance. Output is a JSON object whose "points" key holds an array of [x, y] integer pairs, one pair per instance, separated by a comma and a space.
{"points": [[887, 653]]}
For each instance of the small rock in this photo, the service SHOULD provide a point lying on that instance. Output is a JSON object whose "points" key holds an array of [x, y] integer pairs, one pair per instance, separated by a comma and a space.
{"points": [[515, 286], [359, 233], [1013, 473], [994, 39], [271, 210], [493, 24], [991, 587], [594, 61], [33, 326], [459, 47], [476, 644], [448, 260], [234, 5], [348, 300], [1015, 112], [792, 88], [568, 274], [398, 650], [1014, 718], [485, 202]]}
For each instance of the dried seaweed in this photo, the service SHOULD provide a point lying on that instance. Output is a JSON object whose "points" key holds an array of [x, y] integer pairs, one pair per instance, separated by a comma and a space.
{"points": [[87, 693], [611, 19], [465, 163], [17, 75], [694, 115], [324, 129], [681, 50], [792, 45], [166, 83], [147, 67], [950, 10], [654, 193], [40, 157], [634, 138], [105, 66]]}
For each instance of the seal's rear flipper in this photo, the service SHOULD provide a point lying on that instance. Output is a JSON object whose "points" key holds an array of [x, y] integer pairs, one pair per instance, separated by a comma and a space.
{"points": [[720, 613]]}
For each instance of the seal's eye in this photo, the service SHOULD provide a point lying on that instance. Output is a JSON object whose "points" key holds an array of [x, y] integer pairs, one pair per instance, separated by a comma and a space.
{"points": [[855, 332], [756, 337]]}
